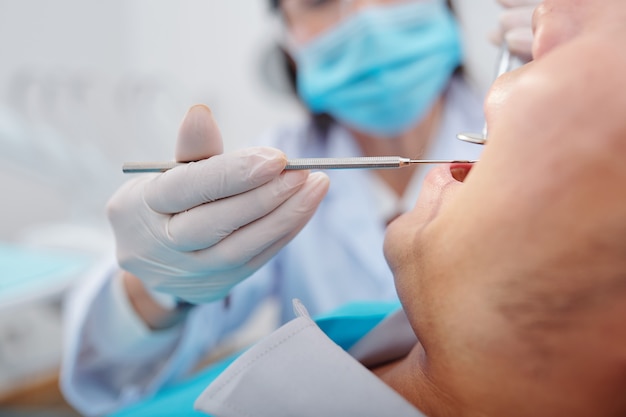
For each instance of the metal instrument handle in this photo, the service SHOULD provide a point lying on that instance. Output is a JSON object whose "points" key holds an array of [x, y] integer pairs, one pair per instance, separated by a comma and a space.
{"points": [[371, 162]]}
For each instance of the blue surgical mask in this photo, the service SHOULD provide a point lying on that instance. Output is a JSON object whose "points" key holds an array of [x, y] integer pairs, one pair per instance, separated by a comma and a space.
{"points": [[381, 69]]}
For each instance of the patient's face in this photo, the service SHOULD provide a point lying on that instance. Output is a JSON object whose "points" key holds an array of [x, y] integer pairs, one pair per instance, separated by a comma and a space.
{"points": [[515, 280]]}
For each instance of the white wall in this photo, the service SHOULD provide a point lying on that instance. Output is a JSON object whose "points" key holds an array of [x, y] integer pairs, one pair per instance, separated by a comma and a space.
{"points": [[479, 19], [44, 46], [214, 49], [115, 77]]}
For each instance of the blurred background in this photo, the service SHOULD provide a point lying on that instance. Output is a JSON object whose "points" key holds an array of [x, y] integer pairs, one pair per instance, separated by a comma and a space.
{"points": [[86, 85]]}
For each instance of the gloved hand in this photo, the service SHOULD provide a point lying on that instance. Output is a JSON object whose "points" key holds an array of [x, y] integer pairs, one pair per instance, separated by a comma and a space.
{"points": [[516, 27], [197, 230]]}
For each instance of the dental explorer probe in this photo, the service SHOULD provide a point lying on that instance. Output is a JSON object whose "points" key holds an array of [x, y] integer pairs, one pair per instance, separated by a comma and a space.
{"points": [[365, 162]]}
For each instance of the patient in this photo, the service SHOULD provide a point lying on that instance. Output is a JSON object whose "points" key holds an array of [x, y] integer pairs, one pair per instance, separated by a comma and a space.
{"points": [[512, 276]]}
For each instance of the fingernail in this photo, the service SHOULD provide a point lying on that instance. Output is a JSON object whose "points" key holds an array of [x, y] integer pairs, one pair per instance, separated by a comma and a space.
{"points": [[199, 136], [316, 187], [293, 179], [265, 163], [196, 123]]}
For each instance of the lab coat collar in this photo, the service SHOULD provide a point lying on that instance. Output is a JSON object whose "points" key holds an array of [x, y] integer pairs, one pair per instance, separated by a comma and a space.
{"points": [[298, 370]]}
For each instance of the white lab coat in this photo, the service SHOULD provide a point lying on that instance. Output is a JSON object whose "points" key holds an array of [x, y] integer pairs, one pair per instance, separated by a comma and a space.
{"points": [[111, 360]]}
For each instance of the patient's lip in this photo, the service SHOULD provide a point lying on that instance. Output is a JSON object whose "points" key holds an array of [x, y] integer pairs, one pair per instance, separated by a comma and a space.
{"points": [[459, 171]]}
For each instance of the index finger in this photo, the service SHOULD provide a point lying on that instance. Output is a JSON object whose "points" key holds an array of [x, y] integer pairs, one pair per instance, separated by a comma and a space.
{"points": [[215, 178]]}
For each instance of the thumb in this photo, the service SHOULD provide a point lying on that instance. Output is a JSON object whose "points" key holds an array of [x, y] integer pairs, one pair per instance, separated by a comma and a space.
{"points": [[199, 136]]}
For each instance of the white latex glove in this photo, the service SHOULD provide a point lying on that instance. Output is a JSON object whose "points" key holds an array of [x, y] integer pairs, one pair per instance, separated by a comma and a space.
{"points": [[516, 27], [197, 230]]}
